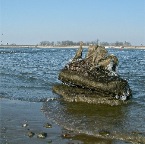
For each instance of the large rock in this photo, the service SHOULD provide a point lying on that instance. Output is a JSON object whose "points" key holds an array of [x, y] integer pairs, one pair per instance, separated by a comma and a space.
{"points": [[93, 79], [77, 94], [113, 85]]}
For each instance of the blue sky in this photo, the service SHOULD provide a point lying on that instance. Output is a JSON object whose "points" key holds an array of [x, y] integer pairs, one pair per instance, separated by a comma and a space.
{"points": [[33, 21]]}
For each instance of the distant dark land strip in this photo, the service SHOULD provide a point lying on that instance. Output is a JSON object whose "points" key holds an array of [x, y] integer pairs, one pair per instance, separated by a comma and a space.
{"points": [[39, 46]]}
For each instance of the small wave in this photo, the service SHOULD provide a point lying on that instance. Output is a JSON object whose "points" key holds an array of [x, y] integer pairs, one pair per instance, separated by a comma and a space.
{"points": [[28, 99], [19, 50], [9, 51]]}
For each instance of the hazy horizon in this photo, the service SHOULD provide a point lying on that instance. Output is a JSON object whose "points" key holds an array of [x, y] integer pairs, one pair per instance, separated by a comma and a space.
{"points": [[33, 21]]}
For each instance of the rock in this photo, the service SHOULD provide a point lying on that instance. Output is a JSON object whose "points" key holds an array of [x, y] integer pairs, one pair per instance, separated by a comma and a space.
{"points": [[24, 125], [42, 135], [48, 125], [77, 94], [95, 54], [30, 134], [93, 79], [79, 52], [96, 80], [67, 135]]}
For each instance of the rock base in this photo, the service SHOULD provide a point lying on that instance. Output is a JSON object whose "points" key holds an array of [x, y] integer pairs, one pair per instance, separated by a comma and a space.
{"points": [[78, 94]]}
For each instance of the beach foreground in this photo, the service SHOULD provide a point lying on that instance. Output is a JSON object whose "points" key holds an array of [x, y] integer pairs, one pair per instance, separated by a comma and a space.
{"points": [[18, 118]]}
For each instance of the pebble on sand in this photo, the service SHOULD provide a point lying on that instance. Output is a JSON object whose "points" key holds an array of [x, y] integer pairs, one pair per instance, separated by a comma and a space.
{"points": [[42, 135], [48, 125], [30, 134]]}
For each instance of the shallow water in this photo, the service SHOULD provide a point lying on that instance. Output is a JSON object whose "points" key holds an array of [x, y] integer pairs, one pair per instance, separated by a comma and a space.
{"points": [[28, 74]]}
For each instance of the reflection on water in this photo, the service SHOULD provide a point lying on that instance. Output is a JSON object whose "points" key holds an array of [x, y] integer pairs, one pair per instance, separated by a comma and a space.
{"points": [[29, 74], [113, 122]]}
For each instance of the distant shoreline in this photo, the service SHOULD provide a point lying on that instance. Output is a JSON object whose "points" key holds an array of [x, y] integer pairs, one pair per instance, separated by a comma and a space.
{"points": [[38, 46]]}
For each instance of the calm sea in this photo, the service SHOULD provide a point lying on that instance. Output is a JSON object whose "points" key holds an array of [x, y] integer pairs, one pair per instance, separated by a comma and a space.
{"points": [[28, 74]]}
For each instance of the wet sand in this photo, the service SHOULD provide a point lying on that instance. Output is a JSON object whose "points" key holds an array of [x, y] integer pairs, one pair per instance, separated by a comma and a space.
{"points": [[18, 118]]}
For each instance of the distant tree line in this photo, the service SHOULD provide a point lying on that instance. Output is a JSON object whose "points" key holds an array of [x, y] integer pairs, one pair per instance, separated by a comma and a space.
{"points": [[71, 43]]}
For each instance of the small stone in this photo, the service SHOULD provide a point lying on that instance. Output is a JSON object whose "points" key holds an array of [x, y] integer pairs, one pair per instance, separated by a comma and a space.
{"points": [[66, 135], [24, 125], [47, 125], [30, 134], [42, 135]]}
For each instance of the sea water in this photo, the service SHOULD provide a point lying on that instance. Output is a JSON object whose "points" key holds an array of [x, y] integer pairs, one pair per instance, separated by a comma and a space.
{"points": [[28, 74]]}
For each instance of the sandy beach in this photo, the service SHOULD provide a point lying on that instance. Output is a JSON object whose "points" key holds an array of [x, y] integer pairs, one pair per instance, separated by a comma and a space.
{"points": [[19, 118]]}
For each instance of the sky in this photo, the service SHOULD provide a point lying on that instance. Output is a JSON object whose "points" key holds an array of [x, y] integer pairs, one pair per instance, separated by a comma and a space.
{"points": [[33, 21]]}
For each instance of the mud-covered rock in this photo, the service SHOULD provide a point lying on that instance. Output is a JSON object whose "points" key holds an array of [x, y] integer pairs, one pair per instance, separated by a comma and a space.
{"points": [[47, 125], [78, 94], [102, 83], [30, 134], [93, 79], [42, 135]]}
